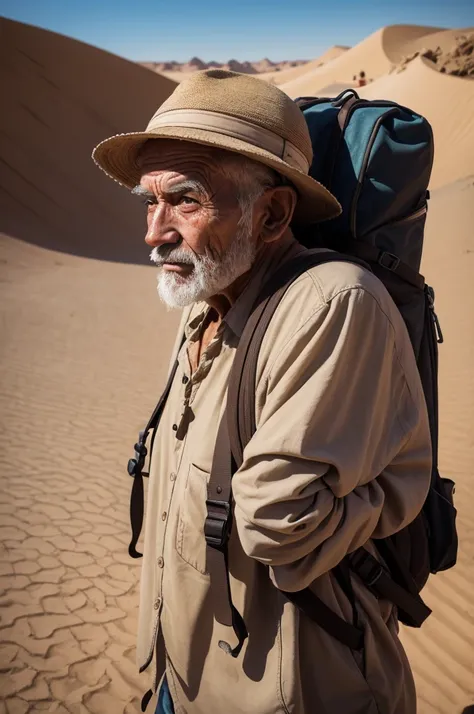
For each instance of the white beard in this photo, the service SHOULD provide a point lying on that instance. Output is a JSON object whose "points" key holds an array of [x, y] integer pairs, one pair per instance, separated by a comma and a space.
{"points": [[209, 276]]}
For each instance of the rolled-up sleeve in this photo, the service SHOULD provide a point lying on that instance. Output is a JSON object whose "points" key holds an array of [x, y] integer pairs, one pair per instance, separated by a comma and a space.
{"points": [[342, 450]]}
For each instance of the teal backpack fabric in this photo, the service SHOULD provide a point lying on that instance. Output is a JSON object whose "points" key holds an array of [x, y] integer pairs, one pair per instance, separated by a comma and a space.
{"points": [[377, 161]]}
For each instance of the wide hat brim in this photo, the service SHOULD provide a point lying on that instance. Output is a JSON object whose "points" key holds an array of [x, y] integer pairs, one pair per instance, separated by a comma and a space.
{"points": [[118, 158]]}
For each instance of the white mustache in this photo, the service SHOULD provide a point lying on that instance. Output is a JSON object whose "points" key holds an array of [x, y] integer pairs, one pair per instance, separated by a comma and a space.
{"points": [[176, 255]]}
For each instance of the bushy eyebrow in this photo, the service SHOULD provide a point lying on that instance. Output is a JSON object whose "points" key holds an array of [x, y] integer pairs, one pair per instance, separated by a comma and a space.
{"points": [[180, 187], [142, 192], [187, 185]]}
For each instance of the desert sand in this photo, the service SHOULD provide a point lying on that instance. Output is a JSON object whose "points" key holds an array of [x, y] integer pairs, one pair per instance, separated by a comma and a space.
{"points": [[85, 346], [376, 55]]}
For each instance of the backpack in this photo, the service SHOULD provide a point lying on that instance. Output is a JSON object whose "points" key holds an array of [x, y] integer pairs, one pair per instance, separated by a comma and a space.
{"points": [[364, 152], [378, 163]]}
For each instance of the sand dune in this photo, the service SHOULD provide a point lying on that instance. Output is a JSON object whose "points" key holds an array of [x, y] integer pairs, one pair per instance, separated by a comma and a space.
{"points": [[293, 73], [64, 97], [448, 104], [85, 344], [375, 55]]}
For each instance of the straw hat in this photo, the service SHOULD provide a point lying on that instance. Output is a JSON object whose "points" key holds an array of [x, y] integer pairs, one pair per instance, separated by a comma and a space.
{"points": [[235, 112]]}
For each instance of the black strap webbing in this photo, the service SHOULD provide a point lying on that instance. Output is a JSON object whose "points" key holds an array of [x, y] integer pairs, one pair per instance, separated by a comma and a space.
{"points": [[135, 468], [217, 529], [146, 700], [367, 251], [378, 580], [241, 426], [228, 455], [242, 381]]}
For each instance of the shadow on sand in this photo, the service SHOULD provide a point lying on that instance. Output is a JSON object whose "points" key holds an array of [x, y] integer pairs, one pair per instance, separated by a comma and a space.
{"points": [[64, 98]]}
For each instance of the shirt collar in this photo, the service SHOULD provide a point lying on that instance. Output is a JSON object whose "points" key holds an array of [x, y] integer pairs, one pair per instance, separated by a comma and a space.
{"points": [[191, 329]]}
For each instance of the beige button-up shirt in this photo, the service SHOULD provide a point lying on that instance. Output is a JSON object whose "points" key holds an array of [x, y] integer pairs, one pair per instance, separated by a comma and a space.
{"points": [[341, 454]]}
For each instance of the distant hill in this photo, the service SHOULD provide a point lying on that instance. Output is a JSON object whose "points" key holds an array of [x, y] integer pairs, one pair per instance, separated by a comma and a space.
{"points": [[194, 64]]}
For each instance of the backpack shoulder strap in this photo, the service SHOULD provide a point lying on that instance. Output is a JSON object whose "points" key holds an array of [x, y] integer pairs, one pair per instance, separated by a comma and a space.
{"points": [[235, 430], [237, 427], [242, 383]]}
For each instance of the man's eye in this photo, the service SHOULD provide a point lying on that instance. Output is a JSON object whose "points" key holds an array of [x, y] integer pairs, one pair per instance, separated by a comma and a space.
{"points": [[150, 202], [188, 200]]}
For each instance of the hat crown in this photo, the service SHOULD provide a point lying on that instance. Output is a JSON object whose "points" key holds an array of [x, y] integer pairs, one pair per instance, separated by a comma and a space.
{"points": [[244, 97]]}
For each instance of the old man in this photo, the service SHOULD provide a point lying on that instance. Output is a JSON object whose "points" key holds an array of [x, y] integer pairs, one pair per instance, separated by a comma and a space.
{"points": [[341, 451]]}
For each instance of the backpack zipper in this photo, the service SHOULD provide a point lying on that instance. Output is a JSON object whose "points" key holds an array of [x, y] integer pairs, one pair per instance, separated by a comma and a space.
{"points": [[365, 162], [412, 216]]}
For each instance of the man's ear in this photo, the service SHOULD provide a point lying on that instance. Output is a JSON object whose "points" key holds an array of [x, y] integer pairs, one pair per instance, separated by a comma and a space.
{"points": [[277, 206]]}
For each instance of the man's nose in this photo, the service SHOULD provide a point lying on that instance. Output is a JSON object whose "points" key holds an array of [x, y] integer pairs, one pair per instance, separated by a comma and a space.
{"points": [[158, 232]]}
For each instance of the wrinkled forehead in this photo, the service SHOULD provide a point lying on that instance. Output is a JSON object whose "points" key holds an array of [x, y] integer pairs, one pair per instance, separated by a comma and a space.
{"points": [[172, 165], [175, 155]]}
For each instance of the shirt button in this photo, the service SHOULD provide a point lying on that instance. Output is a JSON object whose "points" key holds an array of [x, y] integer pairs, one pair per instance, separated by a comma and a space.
{"points": [[175, 427], [173, 477], [157, 603], [160, 562], [185, 379], [163, 516]]}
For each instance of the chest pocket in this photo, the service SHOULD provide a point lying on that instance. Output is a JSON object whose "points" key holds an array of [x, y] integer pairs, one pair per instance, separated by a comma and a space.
{"points": [[190, 541]]}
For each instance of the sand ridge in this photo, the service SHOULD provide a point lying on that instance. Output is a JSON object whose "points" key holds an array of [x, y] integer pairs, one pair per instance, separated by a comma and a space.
{"points": [[375, 55], [291, 73]]}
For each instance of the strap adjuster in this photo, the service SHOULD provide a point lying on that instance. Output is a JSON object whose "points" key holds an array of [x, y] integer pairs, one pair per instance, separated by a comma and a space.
{"points": [[389, 261], [135, 465], [367, 568], [217, 523], [374, 573]]}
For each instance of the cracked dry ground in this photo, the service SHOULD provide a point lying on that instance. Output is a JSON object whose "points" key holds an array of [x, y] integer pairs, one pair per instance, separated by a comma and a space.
{"points": [[79, 373]]}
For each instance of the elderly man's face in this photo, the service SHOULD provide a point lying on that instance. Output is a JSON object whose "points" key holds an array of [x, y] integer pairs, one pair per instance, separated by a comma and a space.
{"points": [[195, 225]]}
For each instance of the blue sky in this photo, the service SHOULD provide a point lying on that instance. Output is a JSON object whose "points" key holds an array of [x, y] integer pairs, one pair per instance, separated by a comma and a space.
{"points": [[221, 30]]}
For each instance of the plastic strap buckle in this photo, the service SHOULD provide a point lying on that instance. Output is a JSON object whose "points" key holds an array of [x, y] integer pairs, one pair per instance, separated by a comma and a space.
{"points": [[217, 524], [135, 465], [389, 261], [368, 569]]}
